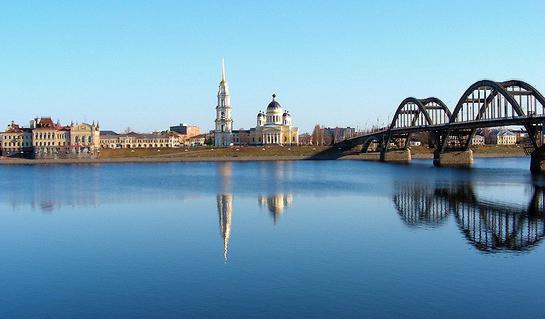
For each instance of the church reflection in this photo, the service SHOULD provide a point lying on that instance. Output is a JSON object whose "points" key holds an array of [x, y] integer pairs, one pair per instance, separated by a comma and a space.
{"points": [[276, 204], [488, 226]]}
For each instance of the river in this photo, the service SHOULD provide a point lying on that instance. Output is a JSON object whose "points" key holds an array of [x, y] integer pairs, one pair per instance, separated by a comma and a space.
{"points": [[320, 239]]}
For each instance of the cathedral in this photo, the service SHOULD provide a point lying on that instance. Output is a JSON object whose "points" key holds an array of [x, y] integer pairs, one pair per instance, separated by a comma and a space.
{"points": [[274, 127]]}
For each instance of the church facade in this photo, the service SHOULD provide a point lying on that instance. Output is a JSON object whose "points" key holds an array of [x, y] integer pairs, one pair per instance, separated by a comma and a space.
{"points": [[274, 127]]}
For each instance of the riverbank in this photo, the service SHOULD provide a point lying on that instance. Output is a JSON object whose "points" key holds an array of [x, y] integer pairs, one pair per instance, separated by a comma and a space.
{"points": [[249, 154]]}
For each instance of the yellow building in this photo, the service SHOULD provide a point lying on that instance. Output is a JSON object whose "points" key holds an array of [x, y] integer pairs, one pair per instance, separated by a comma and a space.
{"points": [[16, 141], [85, 135], [274, 126], [137, 140], [47, 139]]}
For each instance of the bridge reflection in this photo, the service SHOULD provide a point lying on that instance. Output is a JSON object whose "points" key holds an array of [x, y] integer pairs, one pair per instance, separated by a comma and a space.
{"points": [[488, 226]]}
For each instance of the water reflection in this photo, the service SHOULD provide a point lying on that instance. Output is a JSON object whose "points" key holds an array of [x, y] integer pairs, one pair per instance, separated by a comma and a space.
{"points": [[276, 204], [225, 204], [488, 226]]}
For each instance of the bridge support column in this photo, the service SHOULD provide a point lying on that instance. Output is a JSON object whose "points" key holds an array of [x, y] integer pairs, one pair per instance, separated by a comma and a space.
{"points": [[396, 156], [537, 161], [456, 159]]}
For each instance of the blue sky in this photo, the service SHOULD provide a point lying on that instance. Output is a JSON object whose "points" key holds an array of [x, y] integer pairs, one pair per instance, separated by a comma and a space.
{"points": [[151, 64]]}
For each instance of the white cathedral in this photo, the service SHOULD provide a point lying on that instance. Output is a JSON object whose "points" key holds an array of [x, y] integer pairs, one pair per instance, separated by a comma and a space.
{"points": [[273, 127]]}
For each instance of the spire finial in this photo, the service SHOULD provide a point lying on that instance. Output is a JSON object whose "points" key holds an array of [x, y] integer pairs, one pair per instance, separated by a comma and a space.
{"points": [[274, 96], [222, 70]]}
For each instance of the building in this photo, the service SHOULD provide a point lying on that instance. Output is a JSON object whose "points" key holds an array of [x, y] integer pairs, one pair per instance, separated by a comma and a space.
{"points": [[187, 130], [478, 140], [274, 127], [185, 133], [85, 135], [137, 140], [48, 140], [339, 134], [52, 140], [305, 139], [223, 134], [242, 136], [504, 137], [199, 140], [16, 141], [522, 136]]}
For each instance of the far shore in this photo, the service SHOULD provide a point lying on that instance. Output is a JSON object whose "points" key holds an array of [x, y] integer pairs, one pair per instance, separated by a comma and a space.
{"points": [[245, 154]]}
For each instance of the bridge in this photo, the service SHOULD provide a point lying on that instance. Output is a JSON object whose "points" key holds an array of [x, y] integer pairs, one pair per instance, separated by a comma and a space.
{"points": [[487, 226], [484, 104]]}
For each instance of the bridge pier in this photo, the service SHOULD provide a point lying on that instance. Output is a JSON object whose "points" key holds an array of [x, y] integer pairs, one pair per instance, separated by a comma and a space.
{"points": [[537, 160], [396, 156], [455, 159]]}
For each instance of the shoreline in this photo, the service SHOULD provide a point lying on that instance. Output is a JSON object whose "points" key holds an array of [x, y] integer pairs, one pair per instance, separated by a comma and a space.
{"points": [[132, 160]]}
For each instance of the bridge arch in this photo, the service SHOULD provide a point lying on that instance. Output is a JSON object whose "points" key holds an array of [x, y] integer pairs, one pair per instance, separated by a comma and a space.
{"points": [[368, 141], [483, 101], [481, 104], [520, 89], [408, 114], [437, 109], [413, 113]]}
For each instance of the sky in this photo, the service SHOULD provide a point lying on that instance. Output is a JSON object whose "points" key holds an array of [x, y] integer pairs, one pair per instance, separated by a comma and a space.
{"points": [[151, 64]]}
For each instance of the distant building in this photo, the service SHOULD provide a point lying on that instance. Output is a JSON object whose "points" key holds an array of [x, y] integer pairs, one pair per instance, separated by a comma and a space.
{"points": [[16, 141], [478, 140], [305, 139], [504, 137], [137, 140], [242, 136], [199, 140], [522, 135], [186, 130], [46, 139], [339, 134]]}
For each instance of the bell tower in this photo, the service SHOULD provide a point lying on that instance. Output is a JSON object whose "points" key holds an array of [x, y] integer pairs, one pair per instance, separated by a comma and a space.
{"points": [[223, 135]]}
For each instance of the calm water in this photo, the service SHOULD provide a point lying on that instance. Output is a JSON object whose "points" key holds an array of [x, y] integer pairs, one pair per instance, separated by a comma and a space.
{"points": [[272, 240]]}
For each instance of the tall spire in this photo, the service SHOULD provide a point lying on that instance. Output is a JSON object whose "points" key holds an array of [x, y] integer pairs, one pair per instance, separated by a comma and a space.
{"points": [[222, 70]]}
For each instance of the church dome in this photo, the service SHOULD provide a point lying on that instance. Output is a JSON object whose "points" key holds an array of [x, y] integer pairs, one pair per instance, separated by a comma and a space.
{"points": [[286, 114], [260, 114], [274, 107]]}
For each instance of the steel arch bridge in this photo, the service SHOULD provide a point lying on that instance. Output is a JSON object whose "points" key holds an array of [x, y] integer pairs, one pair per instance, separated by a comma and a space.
{"points": [[484, 104], [488, 227]]}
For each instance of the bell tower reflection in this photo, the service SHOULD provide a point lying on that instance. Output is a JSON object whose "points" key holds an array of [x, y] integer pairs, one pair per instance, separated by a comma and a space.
{"points": [[486, 225], [224, 201]]}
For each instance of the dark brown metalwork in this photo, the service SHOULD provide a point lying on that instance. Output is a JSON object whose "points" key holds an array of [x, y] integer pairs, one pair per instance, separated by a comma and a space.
{"points": [[488, 227], [484, 104]]}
